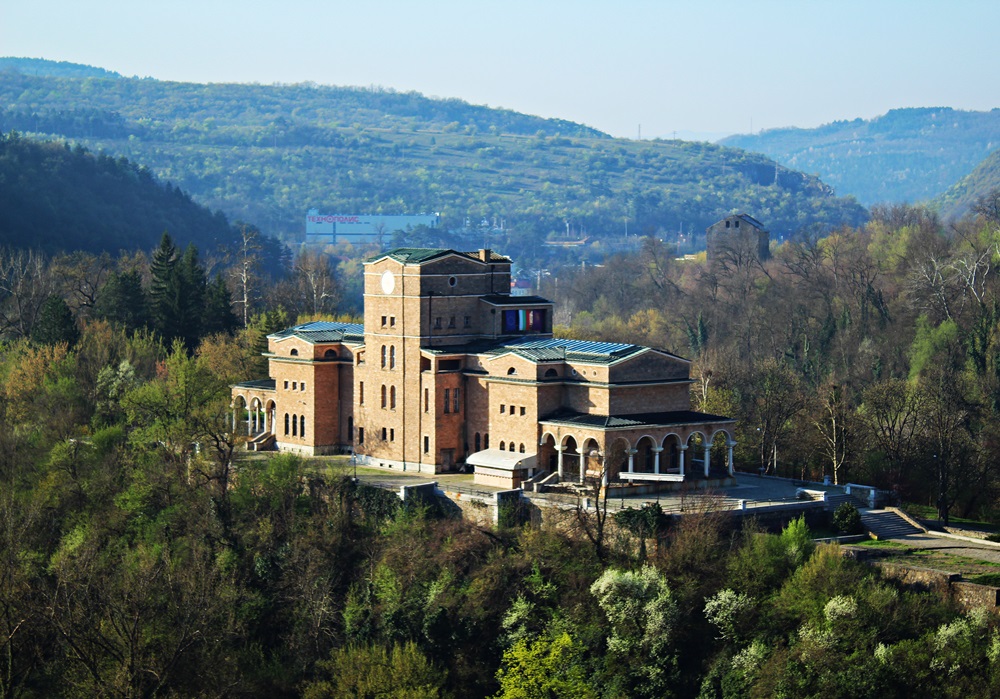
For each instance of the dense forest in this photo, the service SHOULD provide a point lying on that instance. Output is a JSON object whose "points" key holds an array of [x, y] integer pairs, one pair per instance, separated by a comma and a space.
{"points": [[54, 198], [268, 153], [906, 155]]}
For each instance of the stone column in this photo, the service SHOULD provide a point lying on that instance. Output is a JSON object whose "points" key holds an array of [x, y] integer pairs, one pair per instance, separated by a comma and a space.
{"points": [[249, 421], [265, 419], [708, 447], [731, 444], [680, 458], [559, 461], [656, 459], [631, 460]]}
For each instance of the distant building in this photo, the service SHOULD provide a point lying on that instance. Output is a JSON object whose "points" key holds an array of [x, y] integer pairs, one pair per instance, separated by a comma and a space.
{"points": [[739, 234], [327, 229], [450, 370], [521, 287]]}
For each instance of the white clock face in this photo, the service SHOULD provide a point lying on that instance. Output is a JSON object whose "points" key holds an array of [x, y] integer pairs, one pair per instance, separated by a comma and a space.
{"points": [[388, 282]]}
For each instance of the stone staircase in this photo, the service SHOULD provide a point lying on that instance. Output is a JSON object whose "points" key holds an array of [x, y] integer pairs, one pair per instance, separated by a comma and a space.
{"points": [[835, 500], [885, 524]]}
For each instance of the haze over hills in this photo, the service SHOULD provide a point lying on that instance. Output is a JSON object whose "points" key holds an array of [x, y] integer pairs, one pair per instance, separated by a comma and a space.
{"points": [[906, 155], [267, 154]]}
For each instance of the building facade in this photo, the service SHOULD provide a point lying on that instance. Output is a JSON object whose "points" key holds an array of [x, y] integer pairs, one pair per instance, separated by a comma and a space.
{"points": [[451, 371], [740, 236]]}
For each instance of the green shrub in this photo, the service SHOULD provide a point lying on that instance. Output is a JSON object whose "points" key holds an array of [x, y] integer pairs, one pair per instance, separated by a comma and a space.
{"points": [[847, 519]]}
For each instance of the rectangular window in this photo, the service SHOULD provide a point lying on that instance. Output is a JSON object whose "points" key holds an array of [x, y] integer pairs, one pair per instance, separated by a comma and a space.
{"points": [[427, 400], [522, 410], [361, 393], [384, 433], [437, 323], [503, 409], [447, 400], [468, 321], [392, 435], [286, 385], [451, 322], [361, 435], [383, 321], [454, 405], [427, 444], [302, 386], [392, 321], [295, 385]]}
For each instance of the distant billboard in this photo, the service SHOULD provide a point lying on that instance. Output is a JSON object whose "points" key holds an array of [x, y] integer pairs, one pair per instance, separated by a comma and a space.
{"points": [[326, 229]]}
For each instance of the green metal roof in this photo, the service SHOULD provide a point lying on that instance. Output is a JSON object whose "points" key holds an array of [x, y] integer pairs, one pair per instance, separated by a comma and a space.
{"points": [[419, 255], [550, 350], [322, 331]]}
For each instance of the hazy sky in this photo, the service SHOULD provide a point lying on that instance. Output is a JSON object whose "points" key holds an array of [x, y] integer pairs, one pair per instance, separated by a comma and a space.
{"points": [[708, 68]]}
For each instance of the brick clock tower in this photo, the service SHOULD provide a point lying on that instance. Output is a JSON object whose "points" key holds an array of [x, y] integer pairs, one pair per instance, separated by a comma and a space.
{"points": [[420, 307]]}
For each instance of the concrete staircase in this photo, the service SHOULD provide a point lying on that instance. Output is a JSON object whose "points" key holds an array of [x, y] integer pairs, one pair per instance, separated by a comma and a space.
{"points": [[835, 500], [885, 524]]}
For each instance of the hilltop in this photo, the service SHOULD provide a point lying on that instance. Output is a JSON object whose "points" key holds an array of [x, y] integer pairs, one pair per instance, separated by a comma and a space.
{"points": [[905, 155], [268, 153]]}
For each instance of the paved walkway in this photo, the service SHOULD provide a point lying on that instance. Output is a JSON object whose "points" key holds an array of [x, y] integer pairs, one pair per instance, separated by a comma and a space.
{"points": [[887, 525]]}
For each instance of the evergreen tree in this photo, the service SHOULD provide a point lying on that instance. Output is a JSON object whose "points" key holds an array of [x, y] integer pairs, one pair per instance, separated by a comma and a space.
{"points": [[55, 323], [164, 291], [219, 316], [122, 301], [191, 291]]}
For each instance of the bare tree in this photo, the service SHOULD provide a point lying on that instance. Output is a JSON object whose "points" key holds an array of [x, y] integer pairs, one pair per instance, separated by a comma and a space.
{"points": [[317, 282], [245, 269], [25, 284]]}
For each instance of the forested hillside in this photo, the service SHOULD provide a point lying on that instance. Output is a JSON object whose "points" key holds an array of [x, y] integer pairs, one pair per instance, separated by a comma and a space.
{"points": [[269, 153], [964, 195], [57, 198], [906, 155]]}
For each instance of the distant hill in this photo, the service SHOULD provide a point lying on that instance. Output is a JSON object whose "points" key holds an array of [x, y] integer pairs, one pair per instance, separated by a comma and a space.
{"points": [[957, 201], [268, 153], [56, 198], [906, 155], [54, 69]]}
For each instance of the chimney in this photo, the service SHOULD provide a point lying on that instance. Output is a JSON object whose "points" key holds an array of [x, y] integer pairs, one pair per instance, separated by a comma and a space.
{"points": [[485, 254]]}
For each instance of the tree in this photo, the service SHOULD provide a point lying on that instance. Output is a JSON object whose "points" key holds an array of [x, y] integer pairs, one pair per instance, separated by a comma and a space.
{"points": [[372, 672], [246, 268], [164, 291], [55, 323], [122, 300]]}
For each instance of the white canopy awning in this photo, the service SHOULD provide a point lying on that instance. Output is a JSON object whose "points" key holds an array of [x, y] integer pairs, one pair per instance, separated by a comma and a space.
{"points": [[506, 460]]}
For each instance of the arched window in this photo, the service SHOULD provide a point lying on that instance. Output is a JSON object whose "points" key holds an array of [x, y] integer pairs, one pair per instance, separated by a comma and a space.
{"points": [[479, 441], [392, 356], [512, 447], [549, 373], [512, 371], [383, 356], [392, 398], [503, 446], [486, 440], [521, 448], [330, 354], [294, 353], [383, 396], [295, 427], [302, 426], [286, 423]]}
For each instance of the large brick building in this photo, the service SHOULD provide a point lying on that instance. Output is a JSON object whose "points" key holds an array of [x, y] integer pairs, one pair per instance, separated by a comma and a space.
{"points": [[450, 370]]}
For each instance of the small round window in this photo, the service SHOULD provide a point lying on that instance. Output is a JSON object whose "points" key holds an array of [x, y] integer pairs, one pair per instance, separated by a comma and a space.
{"points": [[452, 281]]}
